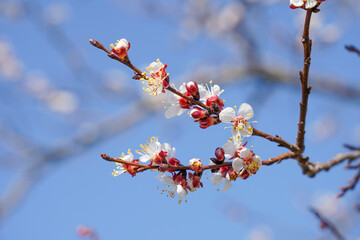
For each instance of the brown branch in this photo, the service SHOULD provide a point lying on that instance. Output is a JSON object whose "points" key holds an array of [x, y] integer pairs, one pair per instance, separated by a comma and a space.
{"points": [[277, 139], [325, 223], [314, 168], [352, 48], [128, 63], [193, 101], [352, 183], [147, 167], [279, 158], [305, 89]]}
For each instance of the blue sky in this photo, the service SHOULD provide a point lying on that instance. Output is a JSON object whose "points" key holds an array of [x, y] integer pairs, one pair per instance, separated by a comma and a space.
{"points": [[81, 190]]}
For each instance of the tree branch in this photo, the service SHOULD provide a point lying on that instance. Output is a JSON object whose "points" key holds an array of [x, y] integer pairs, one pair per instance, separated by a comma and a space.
{"points": [[305, 90], [279, 158], [325, 223], [277, 139]]}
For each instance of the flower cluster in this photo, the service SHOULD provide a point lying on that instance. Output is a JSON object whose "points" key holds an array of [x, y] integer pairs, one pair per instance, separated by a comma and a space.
{"points": [[201, 101], [232, 161], [307, 4], [161, 158], [244, 163]]}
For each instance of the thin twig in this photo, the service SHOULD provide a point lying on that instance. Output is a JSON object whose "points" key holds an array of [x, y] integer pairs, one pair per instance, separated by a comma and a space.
{"points": [[128, 63], [277, 139], [279, 158], [352, 183], [352, 48], [147, 167], [325, 223], [315, 168], [305, 89]]}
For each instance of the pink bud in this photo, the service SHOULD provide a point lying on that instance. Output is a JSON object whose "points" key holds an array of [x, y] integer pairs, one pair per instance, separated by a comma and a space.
{"points": [[184, 103], [193, 89], [244, 175], [173, 162], [214, 100], [197, 113], [83, 231], [220, 154], [207, 122]]}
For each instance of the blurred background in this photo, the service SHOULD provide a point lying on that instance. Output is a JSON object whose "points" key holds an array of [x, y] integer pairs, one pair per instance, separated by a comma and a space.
{"points": [[63, 102]]}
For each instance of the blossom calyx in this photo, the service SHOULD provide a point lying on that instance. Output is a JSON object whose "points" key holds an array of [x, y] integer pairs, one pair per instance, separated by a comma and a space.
{"points": [[120, 49]]}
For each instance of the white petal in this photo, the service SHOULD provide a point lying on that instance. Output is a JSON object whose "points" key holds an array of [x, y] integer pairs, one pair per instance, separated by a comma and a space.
{"points": [[216, 90], [161, 175], [171, 98], [227, 185], [166, 147], [310, 4], [182, 192], [203, 92], [245, 153], [297, 3], [257, 158], [173, 151], [167, 179], [174, 110], [182, 88], [229, 149], [128, 158], [144, 158], [216, 179], [247, 130], [237, 164], [227, 115], [245, 111]]}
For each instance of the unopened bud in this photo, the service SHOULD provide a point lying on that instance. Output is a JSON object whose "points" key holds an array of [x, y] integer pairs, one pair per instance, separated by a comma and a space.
{"points": [[173, 162], [184, 103], [207, 122], [244, 175], [193, 89], [197, 113], [84, 231], [220, 154], [215, 102]]}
